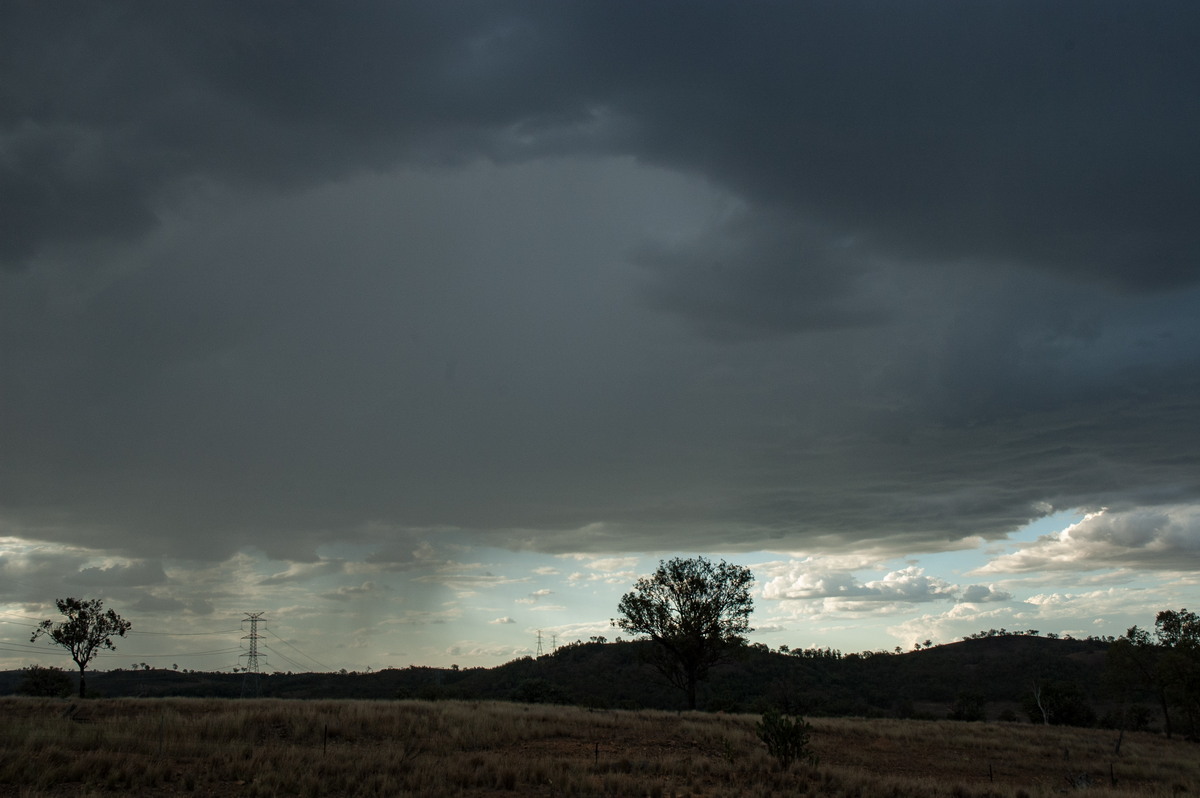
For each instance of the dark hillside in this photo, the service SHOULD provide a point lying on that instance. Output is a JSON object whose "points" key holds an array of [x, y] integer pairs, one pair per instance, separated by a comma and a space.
{"points": [[999, 668], [1000, 671]]}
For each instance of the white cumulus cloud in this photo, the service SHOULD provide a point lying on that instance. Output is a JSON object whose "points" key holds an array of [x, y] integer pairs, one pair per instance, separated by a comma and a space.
{"points": [[1159, 538]]}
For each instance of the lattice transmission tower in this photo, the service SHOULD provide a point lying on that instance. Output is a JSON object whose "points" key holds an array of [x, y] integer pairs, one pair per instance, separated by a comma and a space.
{"points": [[250, 681]]}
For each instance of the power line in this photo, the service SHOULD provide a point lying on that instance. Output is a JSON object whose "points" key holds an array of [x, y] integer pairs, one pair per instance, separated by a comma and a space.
{"points": [[131, 631], [28, 648], [289, 645], [30, 645], [285, 658], [177, 654], [17, 648], [186, 634], [16, 615]]}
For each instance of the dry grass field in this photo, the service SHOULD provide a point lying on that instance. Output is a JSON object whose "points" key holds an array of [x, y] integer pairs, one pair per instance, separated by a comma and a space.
{"points": [[160, 747]]}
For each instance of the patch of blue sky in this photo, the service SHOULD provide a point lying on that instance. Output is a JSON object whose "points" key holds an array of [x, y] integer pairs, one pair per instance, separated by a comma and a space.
{"points": [[960, 562]]}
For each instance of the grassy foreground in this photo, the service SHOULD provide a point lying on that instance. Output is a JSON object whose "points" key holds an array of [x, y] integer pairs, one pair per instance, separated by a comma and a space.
{"points": [[159, 747]]}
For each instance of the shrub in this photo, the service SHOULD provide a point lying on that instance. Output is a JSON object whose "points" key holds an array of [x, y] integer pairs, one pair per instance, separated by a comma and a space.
{"points": [[968, 706], [1132, 718], [1059, 703], [539, 691], [46, 682], [786, 738]]}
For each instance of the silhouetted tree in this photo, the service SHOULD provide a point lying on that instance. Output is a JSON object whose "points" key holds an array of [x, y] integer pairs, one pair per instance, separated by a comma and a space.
{"points": [[695, 612], [1179, 635], [87, 629], [1168, 663], [1133, 661]]}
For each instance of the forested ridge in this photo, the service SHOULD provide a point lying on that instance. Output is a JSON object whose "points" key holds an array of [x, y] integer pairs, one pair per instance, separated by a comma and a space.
{"points": [[986, 677]]}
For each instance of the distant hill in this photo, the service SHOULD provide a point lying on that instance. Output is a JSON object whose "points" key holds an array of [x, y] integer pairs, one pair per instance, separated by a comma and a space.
{"points": [[998, 672]]}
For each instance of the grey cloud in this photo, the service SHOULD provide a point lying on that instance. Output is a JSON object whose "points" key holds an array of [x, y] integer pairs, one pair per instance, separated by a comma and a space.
{"points": [[756, 275], [149, 101], [127, 575], [302, 572], [425, 618], [273, 278], [464, 580], [155, 603], [348, 592], [199, 606], [25, 573], [937, 130], [402, 551], [952, 132]]}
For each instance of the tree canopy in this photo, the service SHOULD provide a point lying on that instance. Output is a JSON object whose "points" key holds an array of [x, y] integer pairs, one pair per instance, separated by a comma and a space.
{"points": [[695, 611], [87, 629], [1167, 662]]}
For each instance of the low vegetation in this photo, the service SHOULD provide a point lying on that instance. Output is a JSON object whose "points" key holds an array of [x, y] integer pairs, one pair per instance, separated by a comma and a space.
{"points": [[786, 738], [272, 747]]}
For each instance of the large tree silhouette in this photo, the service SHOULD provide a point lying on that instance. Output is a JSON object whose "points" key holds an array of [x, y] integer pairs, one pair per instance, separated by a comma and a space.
{"points": [[695, 612], [87, 629]]}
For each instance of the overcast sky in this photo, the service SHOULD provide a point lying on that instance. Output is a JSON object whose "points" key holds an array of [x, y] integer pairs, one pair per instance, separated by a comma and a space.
{"points": [[419, 327]]}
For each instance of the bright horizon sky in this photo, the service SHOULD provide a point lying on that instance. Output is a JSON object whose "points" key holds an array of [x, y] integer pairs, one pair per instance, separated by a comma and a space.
{"points": [[487, 610], [421, 327]]}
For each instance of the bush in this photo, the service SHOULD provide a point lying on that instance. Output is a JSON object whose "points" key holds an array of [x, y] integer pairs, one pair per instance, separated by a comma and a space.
{"points": [[539, 691], [786, 738], [1062, 703], [46, 682], [1133, 718], [968, 706]]}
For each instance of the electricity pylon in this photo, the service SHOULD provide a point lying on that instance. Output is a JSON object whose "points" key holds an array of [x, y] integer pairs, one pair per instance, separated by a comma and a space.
{"points": [[250, 678]]}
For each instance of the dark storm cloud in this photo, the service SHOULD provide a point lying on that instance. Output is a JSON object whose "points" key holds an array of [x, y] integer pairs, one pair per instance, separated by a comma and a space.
{"points": [[1056, 136], [281, 274], [951, 131], [757, 275], [108, 113]]}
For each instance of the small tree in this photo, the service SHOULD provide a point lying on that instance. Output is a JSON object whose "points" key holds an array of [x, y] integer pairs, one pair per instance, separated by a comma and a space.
{"points": [[695, 612], [87, 629]]}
